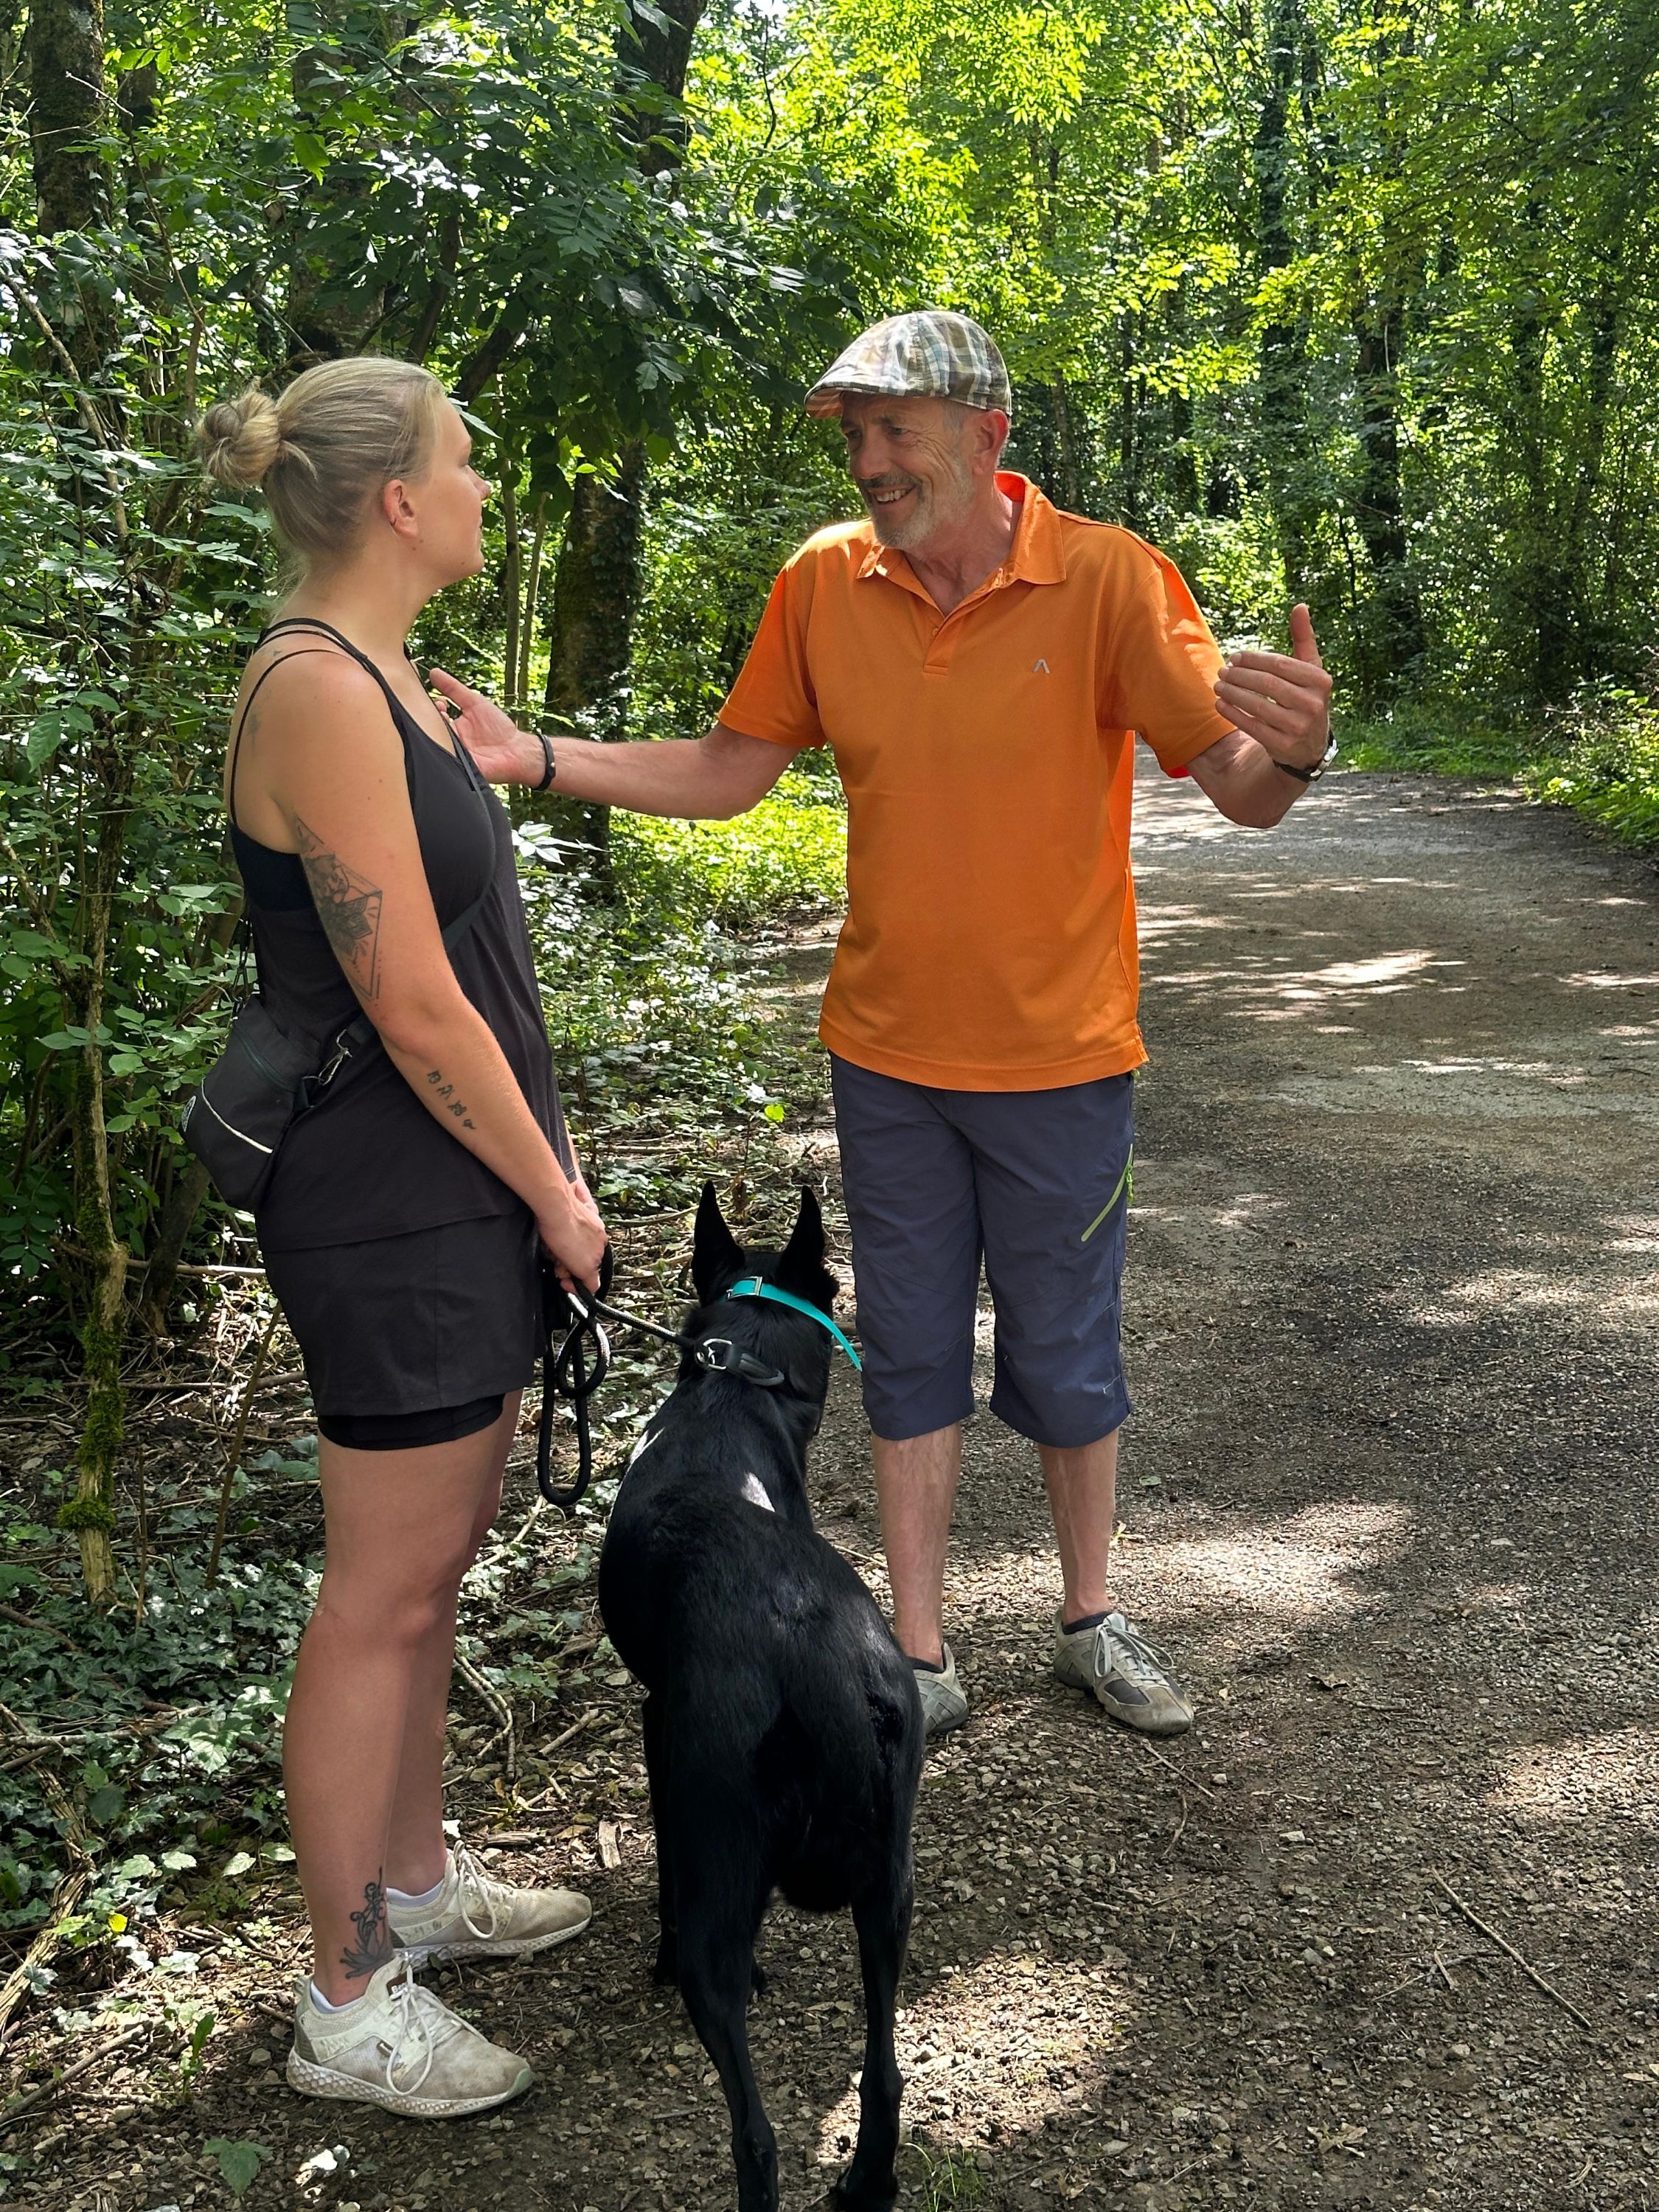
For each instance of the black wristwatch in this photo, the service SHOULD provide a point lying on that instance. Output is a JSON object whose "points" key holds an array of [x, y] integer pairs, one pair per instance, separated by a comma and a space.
{"points": [[1310, 774], [546, 777]]}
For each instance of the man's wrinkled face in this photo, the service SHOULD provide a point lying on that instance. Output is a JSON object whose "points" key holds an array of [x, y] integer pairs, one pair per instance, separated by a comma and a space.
{"points": [[910, 460]]}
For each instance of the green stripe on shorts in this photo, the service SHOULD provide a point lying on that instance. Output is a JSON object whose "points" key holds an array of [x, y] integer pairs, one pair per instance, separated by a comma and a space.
{"points": [[1126, 1188]]}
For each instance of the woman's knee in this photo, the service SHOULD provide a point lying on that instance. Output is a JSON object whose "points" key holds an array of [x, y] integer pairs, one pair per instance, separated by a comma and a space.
{"points": [[401, 1611]]}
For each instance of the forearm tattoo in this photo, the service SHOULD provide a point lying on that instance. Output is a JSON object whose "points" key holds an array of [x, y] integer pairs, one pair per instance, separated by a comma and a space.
{"points": [[445, 1091], [374, 1946], [349, 907]]}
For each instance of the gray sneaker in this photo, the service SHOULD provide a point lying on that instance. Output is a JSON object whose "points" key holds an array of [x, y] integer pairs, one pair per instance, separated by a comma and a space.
{"points": [[1122, 1670], [401, 2047], [474, 1916], [944, 1700]]}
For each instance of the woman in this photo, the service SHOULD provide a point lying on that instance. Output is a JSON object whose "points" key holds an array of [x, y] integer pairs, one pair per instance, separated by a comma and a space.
{"points": [[401, 1228]]}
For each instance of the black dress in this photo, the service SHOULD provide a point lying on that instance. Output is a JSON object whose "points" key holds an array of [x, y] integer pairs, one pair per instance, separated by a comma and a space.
{"points": [[408, 1271]]}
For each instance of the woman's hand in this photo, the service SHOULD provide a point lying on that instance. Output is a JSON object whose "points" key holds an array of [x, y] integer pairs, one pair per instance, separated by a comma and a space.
{"points": [[574, 1236], [503, 752]]}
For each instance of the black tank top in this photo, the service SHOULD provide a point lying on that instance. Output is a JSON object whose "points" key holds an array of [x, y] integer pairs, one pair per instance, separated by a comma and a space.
{"points": [[368, 1160]]}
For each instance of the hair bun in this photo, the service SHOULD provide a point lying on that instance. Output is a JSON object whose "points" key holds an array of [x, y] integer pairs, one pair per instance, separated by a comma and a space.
{"points": [[240, 439]]}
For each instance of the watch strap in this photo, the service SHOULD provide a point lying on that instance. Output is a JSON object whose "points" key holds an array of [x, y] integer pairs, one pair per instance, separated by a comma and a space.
{"points": [[1310, 774]]}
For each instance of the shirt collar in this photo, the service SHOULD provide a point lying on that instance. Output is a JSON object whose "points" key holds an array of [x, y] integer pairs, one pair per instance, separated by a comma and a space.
{"points": [[1037, 556]]}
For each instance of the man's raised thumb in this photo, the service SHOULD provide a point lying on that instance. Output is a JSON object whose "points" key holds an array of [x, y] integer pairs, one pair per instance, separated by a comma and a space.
{"points": [[1303, 643]]}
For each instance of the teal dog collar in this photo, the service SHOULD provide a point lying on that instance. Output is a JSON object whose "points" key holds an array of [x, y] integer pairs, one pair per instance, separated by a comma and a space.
{"points": [[753, 1288]]}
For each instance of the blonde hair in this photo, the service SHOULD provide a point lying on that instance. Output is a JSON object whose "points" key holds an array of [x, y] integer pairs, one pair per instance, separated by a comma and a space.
{"points": [[327, 447]]}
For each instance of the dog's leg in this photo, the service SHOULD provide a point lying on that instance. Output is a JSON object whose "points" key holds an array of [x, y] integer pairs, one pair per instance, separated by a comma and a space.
{"points": [[655, 1722], [882, 1920], [718, 1914]]}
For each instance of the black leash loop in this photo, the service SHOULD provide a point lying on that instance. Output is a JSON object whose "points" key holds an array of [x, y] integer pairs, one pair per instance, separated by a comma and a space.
{"points": [[572, 1373]]}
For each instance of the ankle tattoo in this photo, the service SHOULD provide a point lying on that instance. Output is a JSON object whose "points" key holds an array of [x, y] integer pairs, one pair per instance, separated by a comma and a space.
{"points": [[374, 1946]]}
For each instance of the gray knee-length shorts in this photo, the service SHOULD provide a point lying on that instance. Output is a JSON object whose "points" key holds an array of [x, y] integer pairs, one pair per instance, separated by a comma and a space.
{"points": [[1034, 1182]]}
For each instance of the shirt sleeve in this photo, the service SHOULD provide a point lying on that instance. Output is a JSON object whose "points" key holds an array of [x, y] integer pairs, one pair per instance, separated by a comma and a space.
{"points": [[1162, 664], [773, 697]]}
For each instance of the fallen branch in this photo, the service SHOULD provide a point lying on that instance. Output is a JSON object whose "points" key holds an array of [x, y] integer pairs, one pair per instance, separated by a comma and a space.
{"points": [[234, 1455], [499, 1707], [18, 2105], [1525, 1964], [67, 1895], [1185, 1781]]}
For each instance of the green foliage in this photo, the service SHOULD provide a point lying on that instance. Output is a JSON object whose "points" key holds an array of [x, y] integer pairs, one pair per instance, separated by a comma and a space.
{"points": [[1604, 762], [945, 2176], [239, 2163], [785, 855], [1599, 755]]}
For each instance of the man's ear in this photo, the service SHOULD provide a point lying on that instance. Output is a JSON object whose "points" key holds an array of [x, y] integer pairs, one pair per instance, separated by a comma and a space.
{"points": [[802, 1255], [715, 1252]]}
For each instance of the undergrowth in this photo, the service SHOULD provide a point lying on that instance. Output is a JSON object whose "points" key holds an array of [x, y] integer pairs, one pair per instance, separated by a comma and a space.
{"points": [[1599, 755], [139, 1749]]}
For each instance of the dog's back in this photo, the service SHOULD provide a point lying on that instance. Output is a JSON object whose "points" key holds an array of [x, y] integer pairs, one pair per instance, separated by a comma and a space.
{"points": [[778, 1676], [783, 1732]]}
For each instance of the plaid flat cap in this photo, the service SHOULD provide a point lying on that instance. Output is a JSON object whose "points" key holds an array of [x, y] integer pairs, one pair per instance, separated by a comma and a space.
{"points": [[931, 354]]}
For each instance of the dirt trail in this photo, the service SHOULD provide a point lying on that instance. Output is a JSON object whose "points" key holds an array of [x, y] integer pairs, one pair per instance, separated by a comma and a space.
{"points": [[1388, 1496], [1389, 1491]]}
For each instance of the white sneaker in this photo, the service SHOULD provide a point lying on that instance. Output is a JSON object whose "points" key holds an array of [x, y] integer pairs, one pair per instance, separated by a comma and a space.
{"points": [[1123, 1671], [476, 1917], [400, 2046]]}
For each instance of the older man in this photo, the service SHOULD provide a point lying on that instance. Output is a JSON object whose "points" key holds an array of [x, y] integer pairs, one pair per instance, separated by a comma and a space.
{"points": [[979, 662]]}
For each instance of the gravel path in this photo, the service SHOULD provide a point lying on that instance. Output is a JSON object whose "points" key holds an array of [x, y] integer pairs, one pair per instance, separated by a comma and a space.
{"points": [[1387, 1497]]}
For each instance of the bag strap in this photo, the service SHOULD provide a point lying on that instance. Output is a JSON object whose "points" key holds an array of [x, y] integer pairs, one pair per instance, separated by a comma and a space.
{"points": [[288, 627]]}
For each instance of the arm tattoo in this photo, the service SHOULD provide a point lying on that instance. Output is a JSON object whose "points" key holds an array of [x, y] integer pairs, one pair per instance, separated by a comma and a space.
{"points": [[349, 907], [374, 1946], [446, 1092]]}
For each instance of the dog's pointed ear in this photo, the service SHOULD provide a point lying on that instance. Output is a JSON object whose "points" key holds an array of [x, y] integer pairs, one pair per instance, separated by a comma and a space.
{"points": [[802, 1255], [715, 1252]]}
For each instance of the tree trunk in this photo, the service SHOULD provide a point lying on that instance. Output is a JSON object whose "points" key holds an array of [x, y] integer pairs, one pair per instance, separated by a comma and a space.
{"points": [[597, 582], [511, 564], [595, 591], [90, 1512], [1067, 471], [68, 110], [1392, 641], [1283, 353], [323, 320], [1543, 575], [532, 587], [1132, 398]]}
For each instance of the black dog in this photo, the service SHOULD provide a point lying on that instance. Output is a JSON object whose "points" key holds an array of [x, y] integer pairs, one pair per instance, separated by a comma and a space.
{"points": [[783, 1733]]}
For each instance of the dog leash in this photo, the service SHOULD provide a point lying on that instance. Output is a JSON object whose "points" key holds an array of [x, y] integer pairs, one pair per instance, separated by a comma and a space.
{"points": [[575, 1370]]}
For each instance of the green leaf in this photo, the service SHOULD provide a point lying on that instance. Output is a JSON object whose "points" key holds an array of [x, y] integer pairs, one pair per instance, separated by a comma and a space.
{"points": [[238, 2162], [106, 1805]]}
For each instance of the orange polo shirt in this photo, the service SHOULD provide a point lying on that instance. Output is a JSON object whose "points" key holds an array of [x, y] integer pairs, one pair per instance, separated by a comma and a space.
{"points": [[989, 943]]}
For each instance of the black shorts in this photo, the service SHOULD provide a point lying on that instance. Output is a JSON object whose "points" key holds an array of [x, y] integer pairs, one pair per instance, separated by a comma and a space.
{"points": [[415, 1340]]}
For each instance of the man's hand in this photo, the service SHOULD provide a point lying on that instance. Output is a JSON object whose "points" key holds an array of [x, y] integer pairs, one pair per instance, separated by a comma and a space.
{"points": [[504, 753], [1282, 700]]}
